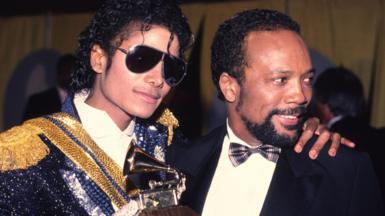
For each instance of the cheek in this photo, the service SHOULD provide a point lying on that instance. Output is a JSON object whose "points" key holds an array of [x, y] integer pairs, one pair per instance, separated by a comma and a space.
{"points": [[165, 90], [117, 81], [308, 91], [257, 104]]}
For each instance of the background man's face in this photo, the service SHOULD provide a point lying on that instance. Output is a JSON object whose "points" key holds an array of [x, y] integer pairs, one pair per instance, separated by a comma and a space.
{"points": [[277, 86]]}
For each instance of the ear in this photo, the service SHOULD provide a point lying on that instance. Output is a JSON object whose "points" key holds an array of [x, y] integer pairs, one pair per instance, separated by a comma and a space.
{"points": [[229, 87], [98, 59]]}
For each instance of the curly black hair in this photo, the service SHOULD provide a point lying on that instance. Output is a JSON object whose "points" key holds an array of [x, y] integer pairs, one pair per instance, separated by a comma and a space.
{"points": [[111, 25], [227, 50]]}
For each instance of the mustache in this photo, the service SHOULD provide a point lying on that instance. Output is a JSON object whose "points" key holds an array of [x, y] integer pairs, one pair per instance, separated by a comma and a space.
{"points": [[299, 110]]}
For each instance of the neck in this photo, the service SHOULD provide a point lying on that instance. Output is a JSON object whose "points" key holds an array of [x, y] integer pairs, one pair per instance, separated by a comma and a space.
{"points": [[241, 131], [121, 118]]}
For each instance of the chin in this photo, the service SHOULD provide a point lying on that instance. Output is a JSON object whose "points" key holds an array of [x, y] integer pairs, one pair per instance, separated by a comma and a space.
{"points": [[140, 110], [143, 113], [287, 133]]}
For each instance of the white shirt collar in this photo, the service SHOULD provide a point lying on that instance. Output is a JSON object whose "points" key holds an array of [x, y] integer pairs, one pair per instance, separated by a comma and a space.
{"points": [[253, 179], [234, 138], [103, 130]]}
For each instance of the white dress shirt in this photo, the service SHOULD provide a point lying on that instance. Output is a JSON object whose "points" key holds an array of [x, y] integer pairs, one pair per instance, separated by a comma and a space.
{"points": [[238, 190], [103, 130]]}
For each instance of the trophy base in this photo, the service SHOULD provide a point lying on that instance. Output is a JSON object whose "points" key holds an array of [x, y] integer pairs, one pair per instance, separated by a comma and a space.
{"points": [[169, 211]]}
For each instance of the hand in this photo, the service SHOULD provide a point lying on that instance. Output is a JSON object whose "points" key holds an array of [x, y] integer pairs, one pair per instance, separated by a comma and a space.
{"points": [[312, 126]]}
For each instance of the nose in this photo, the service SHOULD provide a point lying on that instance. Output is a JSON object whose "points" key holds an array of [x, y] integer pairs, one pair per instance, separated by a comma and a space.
{"points": [[298, 94], [155, 75]]}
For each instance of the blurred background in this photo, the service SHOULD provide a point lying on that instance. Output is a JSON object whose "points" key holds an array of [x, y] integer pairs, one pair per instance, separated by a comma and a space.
{"points": [[33, 35]]}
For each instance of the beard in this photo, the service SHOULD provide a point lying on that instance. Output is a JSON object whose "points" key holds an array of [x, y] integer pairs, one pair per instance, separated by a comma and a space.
{"points": [[266, 131], [267, 134]]}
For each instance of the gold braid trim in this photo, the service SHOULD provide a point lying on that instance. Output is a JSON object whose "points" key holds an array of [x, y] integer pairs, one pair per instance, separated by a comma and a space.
{"points": [[21, 147], [82, 158], [168, 120]]}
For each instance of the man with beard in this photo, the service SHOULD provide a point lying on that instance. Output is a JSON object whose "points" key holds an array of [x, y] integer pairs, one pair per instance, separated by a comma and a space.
{"points": [[262, 69]]}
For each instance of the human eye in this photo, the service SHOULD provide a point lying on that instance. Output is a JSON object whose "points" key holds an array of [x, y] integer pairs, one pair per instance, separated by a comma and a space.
{"points": [[280, 80], [309, 79]]}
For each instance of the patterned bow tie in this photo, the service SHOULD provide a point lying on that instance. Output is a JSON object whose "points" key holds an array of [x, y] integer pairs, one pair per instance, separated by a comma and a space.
{"points": [[240, 153]]}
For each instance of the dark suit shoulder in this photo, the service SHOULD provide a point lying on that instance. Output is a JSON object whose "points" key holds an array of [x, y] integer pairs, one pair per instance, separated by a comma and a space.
{"points": [[209, 139], [348, 170], [345, 156], [191, 155], [348, 178], [204, 142]]}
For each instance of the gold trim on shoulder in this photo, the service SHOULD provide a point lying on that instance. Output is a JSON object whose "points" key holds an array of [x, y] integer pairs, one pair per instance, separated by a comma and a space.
{"points": [[83, 159], [21, 147], [168, 120]]}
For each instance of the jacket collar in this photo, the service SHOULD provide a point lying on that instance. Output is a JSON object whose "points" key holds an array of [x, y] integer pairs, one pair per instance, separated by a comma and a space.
{"points": [[294, 185], [69, 107]]}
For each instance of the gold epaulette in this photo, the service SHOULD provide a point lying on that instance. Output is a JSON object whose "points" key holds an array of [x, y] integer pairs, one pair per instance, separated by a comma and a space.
{"points": [[21, 147], [168, 120]]}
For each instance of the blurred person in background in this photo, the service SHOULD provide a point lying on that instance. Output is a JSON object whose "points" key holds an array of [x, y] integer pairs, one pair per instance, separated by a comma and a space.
{"points": [[341, 105], [50, 100]]}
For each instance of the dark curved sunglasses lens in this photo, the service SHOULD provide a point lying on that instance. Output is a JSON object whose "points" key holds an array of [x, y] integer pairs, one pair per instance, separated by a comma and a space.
{"points": [[142, 59], [174, 70]]}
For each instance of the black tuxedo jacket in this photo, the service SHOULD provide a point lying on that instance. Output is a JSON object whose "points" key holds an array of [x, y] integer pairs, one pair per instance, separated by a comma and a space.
{"points": [[367, 139], [344, 185]]}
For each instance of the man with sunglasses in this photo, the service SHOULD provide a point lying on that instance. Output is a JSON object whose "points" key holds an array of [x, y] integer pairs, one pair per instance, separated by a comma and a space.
{"points": [[262, 70], [71, 163]]}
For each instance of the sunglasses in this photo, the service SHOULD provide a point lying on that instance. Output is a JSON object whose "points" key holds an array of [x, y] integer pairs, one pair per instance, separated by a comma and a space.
{"points": [[140, 59]]}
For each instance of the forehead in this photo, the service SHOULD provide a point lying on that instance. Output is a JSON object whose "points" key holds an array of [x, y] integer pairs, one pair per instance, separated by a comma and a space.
{"points": [[276, 49]]}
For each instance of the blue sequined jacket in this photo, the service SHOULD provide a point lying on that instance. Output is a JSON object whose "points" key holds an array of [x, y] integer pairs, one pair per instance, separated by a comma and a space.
{"points": [[43, 173]]}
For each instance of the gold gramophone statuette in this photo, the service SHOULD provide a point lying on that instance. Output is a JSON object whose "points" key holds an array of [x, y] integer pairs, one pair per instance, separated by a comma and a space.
{"points": [[152, 183]]}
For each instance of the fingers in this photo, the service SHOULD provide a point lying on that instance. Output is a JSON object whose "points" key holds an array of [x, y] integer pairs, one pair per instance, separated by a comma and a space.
{"points": [[336, 138], [347, 142], [320, 129], [311, 124], [322, 139], [309, 128], [305, 136]]}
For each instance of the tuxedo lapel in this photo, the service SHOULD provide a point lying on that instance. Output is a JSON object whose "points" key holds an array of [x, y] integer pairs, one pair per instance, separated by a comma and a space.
{"points": [[293, 187], [203, 181], [198, 161]]}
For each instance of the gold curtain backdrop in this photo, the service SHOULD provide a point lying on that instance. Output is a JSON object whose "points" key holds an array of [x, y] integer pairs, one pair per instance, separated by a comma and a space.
{"points": [[348, 32]]}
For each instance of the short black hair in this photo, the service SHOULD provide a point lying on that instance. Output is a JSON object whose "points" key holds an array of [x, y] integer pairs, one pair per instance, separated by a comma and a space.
{"points": [[227, 50], [113, 21], [341, 90]]}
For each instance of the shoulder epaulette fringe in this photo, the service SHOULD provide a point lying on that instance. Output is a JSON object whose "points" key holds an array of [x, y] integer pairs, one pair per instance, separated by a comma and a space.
{"points": [[21, 147], [168, 120]]}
